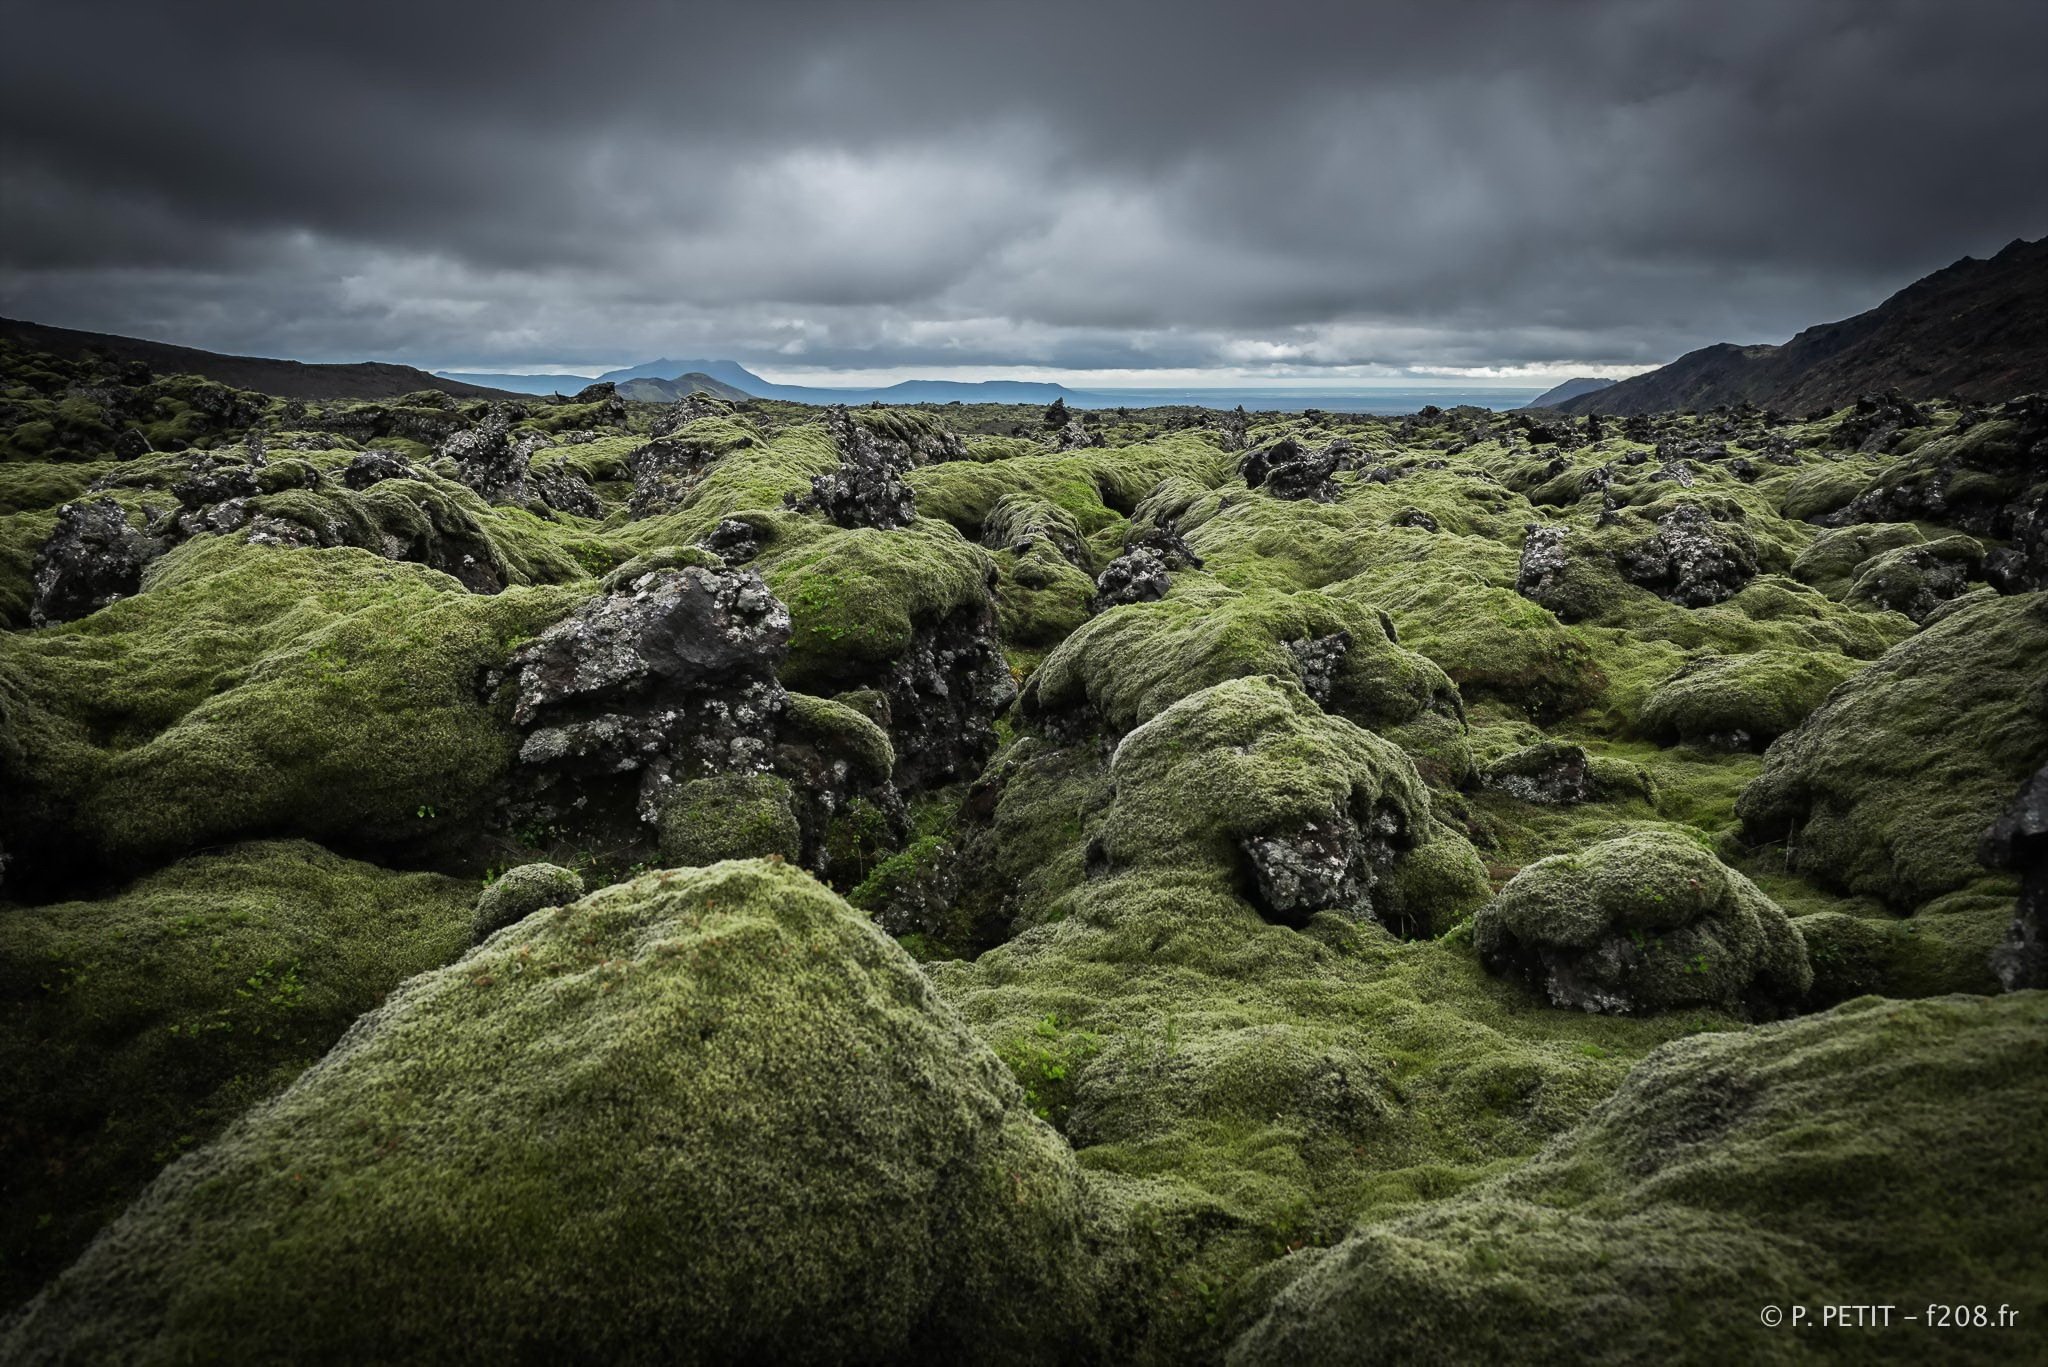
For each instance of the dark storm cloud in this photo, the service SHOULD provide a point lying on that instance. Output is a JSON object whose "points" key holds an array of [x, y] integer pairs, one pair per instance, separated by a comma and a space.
{"points": [[1113, 185]]}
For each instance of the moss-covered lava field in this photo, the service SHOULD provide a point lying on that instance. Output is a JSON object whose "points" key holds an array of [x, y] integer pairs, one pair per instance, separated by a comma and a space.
{"points": [[590, 881]]}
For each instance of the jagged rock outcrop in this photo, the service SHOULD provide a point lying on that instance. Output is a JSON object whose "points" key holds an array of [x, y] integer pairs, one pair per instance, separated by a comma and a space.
{"points": [[668, 678], [92, 558], [1290, 469], [1136, 576], [374, 467], [1692, 560], [490, 459], [1539, 571], [867, 488], [1164, 540], [942, 696]]}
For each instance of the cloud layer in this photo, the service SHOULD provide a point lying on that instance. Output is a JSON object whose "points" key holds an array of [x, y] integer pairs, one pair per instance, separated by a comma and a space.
{"points": [[1279, 188]]}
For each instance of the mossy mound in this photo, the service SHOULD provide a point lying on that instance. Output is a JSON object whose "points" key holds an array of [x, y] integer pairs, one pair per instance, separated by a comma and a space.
{"points": [[136, 1025], [1248, 779], [1131, 663], [711, 1115], [1739, 702], [1235, 1088], [1646, 922], [1916, 580], [1946, 947], [1884, 1145], [858, 598], [519, 892], [249, 689], [1886, 787], [1492, 642], [1831, 561], [729, 816]]}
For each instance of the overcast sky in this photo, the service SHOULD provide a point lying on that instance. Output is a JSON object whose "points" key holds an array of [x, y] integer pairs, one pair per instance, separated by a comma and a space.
{"points": [[1149, 191]]}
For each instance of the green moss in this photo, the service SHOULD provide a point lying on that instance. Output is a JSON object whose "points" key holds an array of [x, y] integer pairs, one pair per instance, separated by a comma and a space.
{"points": [[841, 732], [247, 689], [1491, 641], [1743, 700], [138, 1024], [1096, 488], [1886, 787], [1129, 664], [521, 891], [857, 597], [27, 486], [1435, 888], [729, 816], [714, 1114], [1644, 922], [1831, 561], [858, 837], [1918, 579], [1826, 487], [1242, 758], [1882, 1145]]}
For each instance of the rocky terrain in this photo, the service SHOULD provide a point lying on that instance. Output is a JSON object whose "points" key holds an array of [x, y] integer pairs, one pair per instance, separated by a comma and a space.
{"points": [[590, 880], [1974, 331]]}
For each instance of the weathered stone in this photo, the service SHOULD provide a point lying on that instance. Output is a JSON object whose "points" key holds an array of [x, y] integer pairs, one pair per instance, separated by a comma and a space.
{"points": [[1137, 576], [867, 489], [1538, 573], [1329, 864], [1692, 560], [490, 460], [374, 467], [672, 677], [1288, 469], [1550, 774], [92, 558], [1320, 659]]}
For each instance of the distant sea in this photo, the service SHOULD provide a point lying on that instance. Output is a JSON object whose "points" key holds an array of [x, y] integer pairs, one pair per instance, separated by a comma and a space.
{"points": [[1295, 400]]}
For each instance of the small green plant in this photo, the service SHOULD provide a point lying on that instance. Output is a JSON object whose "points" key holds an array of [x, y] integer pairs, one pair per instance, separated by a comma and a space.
{"points": [[1045, 1063]]}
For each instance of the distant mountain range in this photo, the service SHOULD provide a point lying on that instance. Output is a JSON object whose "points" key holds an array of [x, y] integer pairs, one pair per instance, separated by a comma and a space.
{"points": [[1570, 389], [731, 375], [729, 379], [652, 390], [287, 379], [1974, 330]]}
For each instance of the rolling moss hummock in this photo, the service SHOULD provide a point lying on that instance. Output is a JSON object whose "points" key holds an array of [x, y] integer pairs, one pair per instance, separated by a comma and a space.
{"points": [[136, 1025], [701, 1115], [1886, 1145], [1887, 786], [253, 689]]}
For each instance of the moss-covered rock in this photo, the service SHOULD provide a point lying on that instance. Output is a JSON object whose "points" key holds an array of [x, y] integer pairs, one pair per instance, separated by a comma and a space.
{"points": [[1886, 787], [702, 1115], [729, 816], [1882, 1145], [1129, 664], [1249, 778], [1916, 580], [1742, 702], [519, 892], [1646, 922], [254, 689], [136, 1025], [1831, 561]]}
